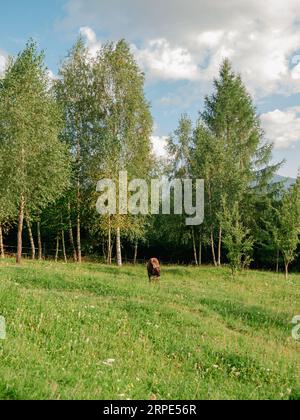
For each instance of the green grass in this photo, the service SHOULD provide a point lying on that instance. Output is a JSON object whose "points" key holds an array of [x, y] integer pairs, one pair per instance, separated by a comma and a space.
{"points": [[199, 334]]}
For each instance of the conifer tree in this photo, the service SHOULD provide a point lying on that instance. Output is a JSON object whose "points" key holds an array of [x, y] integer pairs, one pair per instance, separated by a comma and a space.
{"points": [[240, 156]]}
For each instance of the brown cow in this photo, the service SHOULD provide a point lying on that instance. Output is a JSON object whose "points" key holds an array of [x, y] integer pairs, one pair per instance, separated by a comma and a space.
{"points": [[153, 268]]}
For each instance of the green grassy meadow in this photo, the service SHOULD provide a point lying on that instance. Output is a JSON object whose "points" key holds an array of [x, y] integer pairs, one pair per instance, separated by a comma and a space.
{"points": [[97, 332]]}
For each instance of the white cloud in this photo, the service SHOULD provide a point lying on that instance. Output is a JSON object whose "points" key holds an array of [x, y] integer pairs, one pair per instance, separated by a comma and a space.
{"points": [[91, 40], [160, 146], [51, 75], [295, 73], [210, 39], [282, 127], [3, 61], [158, 59], [162, 61], [187, 40]]}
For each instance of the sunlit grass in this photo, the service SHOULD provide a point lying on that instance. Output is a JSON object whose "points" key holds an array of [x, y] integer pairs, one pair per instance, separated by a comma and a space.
{"points": [[96, 332]]}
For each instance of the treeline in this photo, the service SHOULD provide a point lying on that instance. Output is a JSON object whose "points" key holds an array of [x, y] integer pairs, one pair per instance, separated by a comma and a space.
{"points": [[59, 138]]}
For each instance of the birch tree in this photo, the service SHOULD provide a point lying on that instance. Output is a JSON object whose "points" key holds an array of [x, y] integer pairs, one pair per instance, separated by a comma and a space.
{"points": [[286, 229], [34, 164], [7, 215], [75, 95], [237, 239], [124, 124]]}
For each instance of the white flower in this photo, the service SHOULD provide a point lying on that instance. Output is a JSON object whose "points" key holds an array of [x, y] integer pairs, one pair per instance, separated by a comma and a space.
{"points": [[109, 362]]}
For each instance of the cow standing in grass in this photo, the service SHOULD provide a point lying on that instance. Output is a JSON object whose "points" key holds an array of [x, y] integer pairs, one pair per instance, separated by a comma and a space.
{"points": [[153, 268]]}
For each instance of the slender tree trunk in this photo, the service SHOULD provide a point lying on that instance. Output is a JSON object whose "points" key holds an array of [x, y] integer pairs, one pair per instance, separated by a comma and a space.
{"points": [[135, 253], [212, 242], [79, 257], [220, 247], [71, 236], [118, 248], [64, 245], [104, 250], [194, 247], [277, 262], [57, 247], [200, 250], [40, 246], [109, 247], [32, 244], [20, 230], [213, 247], [286, 270], [1, 243]]}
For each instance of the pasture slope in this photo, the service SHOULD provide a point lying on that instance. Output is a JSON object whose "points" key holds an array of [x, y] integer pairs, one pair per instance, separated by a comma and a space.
{"points": [[97, 332]]}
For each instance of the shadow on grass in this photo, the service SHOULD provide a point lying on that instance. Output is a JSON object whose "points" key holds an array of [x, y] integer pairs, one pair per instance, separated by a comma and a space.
{"points": [[54, 281], [113, 269], [245, 369], [178, 272], [295, 395], [253, 316], [7, 393]]}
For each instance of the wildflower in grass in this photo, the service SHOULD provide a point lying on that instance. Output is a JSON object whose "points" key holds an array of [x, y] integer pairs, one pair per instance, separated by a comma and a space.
{"points": [[109, 362]]}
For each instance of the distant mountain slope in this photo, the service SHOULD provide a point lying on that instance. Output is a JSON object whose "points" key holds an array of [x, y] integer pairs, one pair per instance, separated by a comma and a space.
{"points": [[288, 181]]}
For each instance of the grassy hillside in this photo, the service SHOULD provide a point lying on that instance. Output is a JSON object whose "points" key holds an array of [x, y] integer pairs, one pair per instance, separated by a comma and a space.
{"points": [[96, 332]]}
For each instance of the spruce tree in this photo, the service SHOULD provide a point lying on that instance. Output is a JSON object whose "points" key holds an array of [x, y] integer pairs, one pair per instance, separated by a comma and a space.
{"points": [[241, 158]]}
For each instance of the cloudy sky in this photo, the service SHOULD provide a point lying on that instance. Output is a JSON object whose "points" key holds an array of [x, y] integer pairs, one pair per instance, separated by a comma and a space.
{"points": [[180, 44]]}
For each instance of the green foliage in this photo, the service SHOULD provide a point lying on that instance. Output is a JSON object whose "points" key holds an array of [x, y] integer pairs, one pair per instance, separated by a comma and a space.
{"points": [[108, 127], [97, 108], [33, 163], [237, 239], [124, 120], [180, 146], [230, 151], [124, 124], [286, 229]]}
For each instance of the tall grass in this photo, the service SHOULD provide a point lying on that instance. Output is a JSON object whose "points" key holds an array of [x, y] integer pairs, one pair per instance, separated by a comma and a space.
{"points": [[97, 332]]}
